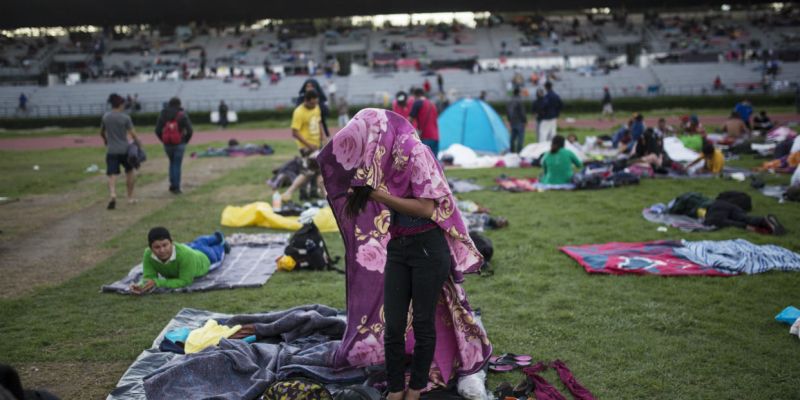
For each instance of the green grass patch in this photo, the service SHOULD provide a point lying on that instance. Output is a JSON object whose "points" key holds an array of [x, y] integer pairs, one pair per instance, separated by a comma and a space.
{"points": [[625, 337]]}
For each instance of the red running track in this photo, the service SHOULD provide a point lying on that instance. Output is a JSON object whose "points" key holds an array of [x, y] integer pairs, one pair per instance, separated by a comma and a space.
{"points": [[261, 135]]}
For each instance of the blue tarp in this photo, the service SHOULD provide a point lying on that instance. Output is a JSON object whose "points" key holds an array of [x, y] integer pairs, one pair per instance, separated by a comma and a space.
{"points": [[474, 124]]}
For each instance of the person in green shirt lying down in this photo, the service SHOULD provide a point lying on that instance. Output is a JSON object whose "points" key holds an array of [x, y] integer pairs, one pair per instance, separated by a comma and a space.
{"points": [[175, 265]]}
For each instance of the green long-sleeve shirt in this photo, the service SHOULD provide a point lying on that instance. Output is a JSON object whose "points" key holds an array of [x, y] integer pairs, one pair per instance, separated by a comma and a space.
{"points": [[180, 272], [558, 167]]}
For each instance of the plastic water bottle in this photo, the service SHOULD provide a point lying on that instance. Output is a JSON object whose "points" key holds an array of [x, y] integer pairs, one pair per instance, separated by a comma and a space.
{"points": [[276, 201]]}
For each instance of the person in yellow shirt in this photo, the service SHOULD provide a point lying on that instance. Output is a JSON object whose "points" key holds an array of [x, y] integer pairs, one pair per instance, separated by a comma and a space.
{"points": [[713, 158], [307, 131], [307, 123]]}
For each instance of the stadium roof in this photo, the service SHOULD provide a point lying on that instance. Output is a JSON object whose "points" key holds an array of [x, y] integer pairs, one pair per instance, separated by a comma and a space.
{"points": [[40, 13]]}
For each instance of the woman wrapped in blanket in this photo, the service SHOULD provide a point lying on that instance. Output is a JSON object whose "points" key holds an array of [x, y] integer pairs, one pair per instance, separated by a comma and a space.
{"points": [[402, 232]]}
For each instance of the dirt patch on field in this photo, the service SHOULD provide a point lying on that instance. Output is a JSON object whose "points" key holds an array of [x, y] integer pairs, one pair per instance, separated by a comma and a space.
{"points": [[72, 380], [69, 226]]}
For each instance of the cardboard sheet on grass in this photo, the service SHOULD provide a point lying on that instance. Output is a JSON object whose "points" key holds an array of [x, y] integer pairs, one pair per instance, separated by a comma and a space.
{"points": [[261, 214], [245, 266]]}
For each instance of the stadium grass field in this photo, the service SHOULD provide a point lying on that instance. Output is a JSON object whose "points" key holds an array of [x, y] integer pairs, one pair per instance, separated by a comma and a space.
{"points": [[624, 337]]}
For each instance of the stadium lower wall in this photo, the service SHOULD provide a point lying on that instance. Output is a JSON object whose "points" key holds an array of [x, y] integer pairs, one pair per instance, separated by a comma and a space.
{"points": [[630, 104]]}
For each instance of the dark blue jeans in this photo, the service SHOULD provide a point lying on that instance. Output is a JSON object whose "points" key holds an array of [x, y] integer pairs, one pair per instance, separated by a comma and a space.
{"points": [[213, 246], [517, 136], [416, 269], [433, 144], [175, 155]]}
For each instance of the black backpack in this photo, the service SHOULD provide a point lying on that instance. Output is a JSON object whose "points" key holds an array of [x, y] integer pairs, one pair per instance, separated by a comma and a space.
{"points": [[308, 249], [486, 248], [740, 199]]}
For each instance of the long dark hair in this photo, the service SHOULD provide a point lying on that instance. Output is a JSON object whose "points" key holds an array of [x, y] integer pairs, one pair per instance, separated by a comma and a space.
{"points": [[357, 200], [557, 144]]}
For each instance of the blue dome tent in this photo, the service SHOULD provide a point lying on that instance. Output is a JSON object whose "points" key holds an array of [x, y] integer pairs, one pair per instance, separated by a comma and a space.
{"points": [[475, 124]]}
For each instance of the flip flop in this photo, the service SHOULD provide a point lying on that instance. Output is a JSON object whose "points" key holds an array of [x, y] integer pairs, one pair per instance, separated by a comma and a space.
{"points": [[512, 356], [500, 367], [508, 362]]}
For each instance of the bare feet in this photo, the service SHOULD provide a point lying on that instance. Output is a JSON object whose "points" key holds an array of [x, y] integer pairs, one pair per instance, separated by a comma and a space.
{"points": [[394, 396], [412, 394]]}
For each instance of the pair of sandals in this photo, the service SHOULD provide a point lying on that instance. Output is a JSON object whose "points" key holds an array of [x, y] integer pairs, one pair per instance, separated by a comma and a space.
{"points": [[508, 362]]}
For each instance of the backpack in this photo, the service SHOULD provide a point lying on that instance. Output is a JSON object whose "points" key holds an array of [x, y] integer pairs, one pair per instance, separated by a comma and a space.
{"points": [[358, 392], [171, 133], [297, 389], [309, 250], [486, 248], [740, 199]]}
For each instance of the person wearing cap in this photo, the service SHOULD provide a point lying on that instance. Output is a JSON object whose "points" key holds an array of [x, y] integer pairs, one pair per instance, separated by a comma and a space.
{"points": [[166, 264], [401, 104], [115, 128]]}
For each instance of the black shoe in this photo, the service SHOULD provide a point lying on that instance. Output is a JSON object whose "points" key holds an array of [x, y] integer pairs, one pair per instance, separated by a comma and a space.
{"points": [[175, 191], [112, 204], [775, 226]]}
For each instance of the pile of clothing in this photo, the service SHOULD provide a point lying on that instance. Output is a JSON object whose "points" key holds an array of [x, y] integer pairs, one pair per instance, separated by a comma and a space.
{"points": [[785, 151]]}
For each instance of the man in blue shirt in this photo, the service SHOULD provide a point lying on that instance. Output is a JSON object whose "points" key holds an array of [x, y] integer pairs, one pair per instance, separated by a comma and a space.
{"points": [[549, 112], [745, 110]]}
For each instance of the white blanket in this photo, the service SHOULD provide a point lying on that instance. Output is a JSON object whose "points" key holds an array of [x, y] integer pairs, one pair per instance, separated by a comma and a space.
{"points": [[677, 151]]}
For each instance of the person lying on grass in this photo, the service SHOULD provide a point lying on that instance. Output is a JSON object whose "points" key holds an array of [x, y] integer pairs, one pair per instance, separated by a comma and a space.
{"points": [[175, 265]]}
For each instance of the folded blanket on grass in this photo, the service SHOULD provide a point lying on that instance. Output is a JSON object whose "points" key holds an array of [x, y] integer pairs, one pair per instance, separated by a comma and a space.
{"points": [[673, 258], [243, 267], [740, 256], [236, 369]]}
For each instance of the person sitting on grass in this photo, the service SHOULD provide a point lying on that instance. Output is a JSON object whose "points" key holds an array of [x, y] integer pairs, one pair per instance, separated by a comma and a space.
{"points": [[557, 163], [735, 128], [175, 265], [648, 150], [713, 158], [309, 172], [761, 123]]}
